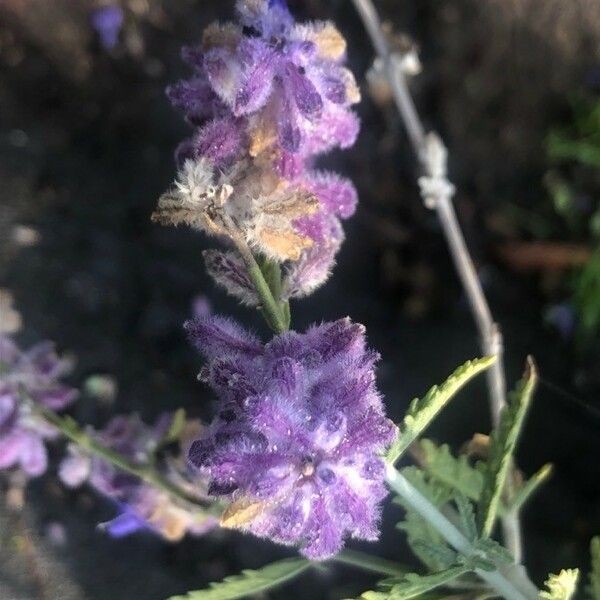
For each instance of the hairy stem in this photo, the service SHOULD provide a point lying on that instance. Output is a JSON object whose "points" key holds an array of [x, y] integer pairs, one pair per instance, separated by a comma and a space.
{"points": [[512, 583], [489, 331], [146, 472], [367, 562], [272, 309]]}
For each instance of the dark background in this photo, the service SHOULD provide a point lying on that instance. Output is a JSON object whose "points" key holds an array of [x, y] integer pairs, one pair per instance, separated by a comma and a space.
{"points": [[86, 143]]}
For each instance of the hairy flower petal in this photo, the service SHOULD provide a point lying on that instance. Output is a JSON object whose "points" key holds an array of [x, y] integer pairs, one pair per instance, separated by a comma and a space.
{"points": [[214, 336]]}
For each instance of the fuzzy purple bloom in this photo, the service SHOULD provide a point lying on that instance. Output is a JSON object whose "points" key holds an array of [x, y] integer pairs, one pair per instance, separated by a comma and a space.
{"points": [[273, 93], [141, 506], [288, 79], [36, 374], [298, 441]]}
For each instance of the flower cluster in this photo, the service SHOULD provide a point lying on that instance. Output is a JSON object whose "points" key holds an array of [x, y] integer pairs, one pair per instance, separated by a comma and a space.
{"points": [[296, 446], [29, 378], [142, 506], [267, 97]]}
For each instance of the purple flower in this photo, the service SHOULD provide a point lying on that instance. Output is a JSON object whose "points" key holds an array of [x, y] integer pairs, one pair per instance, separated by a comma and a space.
{"points": [[228, 270], [107, 21], [297, 443], [267, 96], [304, 276], [36, 374], [142, 506], [283, 83]]}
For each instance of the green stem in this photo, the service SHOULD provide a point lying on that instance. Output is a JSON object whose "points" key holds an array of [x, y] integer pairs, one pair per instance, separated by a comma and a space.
{"points": [[512, 584], [146, 472], [370, 563], [273, 311]]}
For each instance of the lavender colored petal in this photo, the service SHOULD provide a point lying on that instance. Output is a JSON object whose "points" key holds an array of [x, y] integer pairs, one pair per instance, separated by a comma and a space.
{"points": [[229, 272], [257, 59], [338, 127], [305, 94], [75, 470], [43, 359], [220, 141], [310, 272], [33, 457], [124, 525], [231, 378], [193, 56], [224, 74], [337, 194], [215, 336], [290, 134], [10, 448], [55, 398], [8, 410], [323, 533], [195, 98], [289, 165], [9, 352], [334, 89], [341, 337], [107, 21]]}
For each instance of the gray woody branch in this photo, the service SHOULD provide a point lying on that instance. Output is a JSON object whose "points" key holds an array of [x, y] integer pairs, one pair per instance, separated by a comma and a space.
{"points": [[437, 192]]}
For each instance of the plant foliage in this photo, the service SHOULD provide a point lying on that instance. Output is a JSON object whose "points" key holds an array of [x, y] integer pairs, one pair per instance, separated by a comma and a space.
{"points": [[413, 585], [251, 582], [423, 411], [561, 586], [594, 587], [502, 445]]}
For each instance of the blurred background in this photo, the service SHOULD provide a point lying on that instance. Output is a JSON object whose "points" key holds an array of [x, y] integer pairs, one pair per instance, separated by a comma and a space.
{"points": [[86, 146]]}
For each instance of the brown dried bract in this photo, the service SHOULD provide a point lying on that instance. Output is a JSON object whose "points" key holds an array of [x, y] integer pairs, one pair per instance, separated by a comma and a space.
{"points": [[331, 44]]}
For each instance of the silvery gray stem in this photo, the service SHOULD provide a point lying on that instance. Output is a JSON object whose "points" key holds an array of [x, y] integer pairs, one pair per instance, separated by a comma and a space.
{"points": [[437, 192], [511, 583]]}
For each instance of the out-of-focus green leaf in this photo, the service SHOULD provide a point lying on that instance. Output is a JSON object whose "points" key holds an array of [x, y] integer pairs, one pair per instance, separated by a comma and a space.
{"points": [[594, 588], [249, 583], [413, 585]]}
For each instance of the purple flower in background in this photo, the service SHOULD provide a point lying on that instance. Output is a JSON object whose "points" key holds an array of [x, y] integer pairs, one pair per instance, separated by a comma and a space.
{"points": [[107, 22], [142, 506], [36, 374], [298, 440]]}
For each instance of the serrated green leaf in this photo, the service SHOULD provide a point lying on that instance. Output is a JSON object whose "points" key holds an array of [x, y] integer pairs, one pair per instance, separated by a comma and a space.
{"points": [[475, 561], [440, 554], [594, 588], [250, 582], [455, 472], [561, 586], [529, 487], [495, 551], [466, 514], [503, 441], [413, 585], [423, 411]]}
